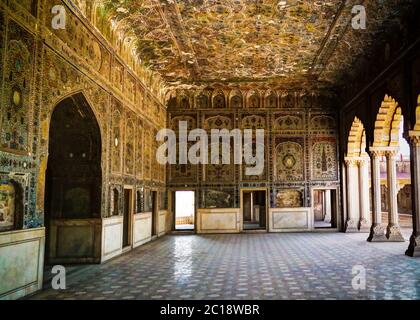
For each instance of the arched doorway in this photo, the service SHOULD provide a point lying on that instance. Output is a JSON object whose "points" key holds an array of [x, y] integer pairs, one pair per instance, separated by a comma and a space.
{"points": [[73, 183], [390, 156]]}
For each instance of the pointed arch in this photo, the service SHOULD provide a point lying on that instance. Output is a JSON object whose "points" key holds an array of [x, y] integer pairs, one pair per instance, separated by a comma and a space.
{"points": [[387, 124], [356, 143], [218, 100], [236, 99], [270, 99], [253, 99], [74, 171], [184, 101], [202, 100]]}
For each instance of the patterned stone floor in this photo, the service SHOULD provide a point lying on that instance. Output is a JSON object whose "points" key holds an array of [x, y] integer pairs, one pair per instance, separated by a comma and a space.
{"points": [[249, 266]]}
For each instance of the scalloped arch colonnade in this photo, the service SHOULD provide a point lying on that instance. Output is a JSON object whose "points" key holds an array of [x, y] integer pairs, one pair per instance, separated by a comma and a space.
{"points": [[359, 155]]}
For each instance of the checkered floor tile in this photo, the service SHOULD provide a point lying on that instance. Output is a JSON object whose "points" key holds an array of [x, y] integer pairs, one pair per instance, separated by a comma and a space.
{"points": [[249, 266]]}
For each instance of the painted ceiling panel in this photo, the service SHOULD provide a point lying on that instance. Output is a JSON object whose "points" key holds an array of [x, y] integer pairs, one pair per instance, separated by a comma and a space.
{"points": [[281, 42]]}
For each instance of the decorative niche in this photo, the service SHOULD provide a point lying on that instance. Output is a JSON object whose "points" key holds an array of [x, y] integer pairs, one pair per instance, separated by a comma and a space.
{"points": [[139, 201], [12, 205], [115, 202]]}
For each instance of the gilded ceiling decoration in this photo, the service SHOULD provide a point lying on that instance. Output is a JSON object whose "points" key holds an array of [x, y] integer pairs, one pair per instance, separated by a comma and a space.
{"points": [[280, 42], [285, 42]]}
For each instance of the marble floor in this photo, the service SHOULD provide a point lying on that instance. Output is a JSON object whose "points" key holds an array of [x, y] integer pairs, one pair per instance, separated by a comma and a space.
{"points": [[249, 266]]}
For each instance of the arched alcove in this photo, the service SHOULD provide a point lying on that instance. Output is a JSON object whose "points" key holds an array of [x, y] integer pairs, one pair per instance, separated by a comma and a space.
{"points": [[73, 183], [115, 202], [74, 174], [11, 206]]}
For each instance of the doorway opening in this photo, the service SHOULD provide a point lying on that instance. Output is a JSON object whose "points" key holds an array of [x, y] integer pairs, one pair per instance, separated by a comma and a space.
{"points": [[127, 217], [254, 210], [184, 210], [325, 208]]}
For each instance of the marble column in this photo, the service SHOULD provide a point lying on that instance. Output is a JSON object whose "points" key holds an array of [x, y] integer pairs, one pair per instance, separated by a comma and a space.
{"points": [[377, 230], [393, 231], [352, 196], [365, 220], [414, 247], [327, 203]]}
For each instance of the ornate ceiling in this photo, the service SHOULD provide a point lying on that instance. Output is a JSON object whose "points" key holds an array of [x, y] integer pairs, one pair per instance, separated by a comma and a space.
{"points": [[278, 42]]}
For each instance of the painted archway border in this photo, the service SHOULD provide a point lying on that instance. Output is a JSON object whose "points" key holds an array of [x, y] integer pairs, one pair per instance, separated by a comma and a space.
{"points": [[45, 127]]}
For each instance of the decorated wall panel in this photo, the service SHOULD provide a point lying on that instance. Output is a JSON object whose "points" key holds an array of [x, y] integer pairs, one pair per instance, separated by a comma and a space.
{"points": [[40, 67], [289, 198], [139, 149], [129, 152], [79, 39], [300, 143], [288, 122], [18, 70], [289, 160], [324, 159], [116, 137], [148, 153], [2, 40], [218, 198], [7, 206]]}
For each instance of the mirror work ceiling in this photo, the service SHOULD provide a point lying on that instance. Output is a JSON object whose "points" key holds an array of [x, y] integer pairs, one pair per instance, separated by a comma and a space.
{"points": [[284, 43]]}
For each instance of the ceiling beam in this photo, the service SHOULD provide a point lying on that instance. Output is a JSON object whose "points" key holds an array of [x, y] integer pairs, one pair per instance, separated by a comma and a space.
{"points": [[170, 13], [334, 34]]}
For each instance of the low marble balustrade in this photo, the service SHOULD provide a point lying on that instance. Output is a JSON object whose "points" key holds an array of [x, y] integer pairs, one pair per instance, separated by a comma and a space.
{"points": [[220, 220], [290, 219]]}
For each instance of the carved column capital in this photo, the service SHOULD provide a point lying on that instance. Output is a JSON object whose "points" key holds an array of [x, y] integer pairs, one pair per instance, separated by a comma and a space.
{"points": [[390, 154], [364, 161], [376, 153], [351, 162], [414, 137]]}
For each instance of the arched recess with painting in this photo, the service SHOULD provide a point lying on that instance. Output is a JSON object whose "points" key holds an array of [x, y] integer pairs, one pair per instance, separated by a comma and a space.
{"points": [[390, 156], [11, 205], [73, 184], [357, 179]]}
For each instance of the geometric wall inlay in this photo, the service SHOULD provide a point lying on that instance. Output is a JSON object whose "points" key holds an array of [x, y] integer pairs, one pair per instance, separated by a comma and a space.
{"points": [[289, 122], [16, 98]]}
